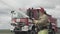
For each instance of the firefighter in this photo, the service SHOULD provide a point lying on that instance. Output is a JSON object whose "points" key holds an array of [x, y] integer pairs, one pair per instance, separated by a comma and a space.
{"points": [[42, 21], [43, 18]]}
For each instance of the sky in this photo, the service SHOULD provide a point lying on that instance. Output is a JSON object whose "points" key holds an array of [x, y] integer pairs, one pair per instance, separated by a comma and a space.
{"points": [[52, 7]]}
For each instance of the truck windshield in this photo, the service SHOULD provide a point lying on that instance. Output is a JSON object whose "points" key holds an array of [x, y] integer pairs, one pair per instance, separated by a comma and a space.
{"points": [[17, 15]]}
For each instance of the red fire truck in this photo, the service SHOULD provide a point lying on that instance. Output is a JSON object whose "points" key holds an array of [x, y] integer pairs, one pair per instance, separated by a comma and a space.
{"points": [[26, 25]]}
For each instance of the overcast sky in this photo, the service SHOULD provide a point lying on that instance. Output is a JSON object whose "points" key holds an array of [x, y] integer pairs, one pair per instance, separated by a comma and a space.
{"points": [[52, 7]]}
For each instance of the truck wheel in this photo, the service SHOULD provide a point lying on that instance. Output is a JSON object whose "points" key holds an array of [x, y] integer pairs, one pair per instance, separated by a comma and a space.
{"points": [[16, 32], [33, 32], [53, 32], [23, 32]]}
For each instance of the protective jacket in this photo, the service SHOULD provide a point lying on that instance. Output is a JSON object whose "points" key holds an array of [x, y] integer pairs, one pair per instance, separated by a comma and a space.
{"points": [[43, 20]]}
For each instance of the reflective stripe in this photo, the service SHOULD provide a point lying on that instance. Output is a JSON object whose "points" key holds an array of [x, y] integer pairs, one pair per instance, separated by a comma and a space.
{"points": [[29, 20], [53, 24], [17, 20]]}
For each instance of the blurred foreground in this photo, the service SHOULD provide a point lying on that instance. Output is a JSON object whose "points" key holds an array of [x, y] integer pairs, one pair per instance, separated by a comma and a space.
{"points": [[8, 32]]}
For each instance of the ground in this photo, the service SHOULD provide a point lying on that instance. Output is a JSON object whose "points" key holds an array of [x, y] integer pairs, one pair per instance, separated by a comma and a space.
{"points": [[9, 32], [6, 32]]}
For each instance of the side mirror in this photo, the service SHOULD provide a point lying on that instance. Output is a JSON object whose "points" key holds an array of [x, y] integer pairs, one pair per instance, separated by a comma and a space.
{"points": [[12, 11]]}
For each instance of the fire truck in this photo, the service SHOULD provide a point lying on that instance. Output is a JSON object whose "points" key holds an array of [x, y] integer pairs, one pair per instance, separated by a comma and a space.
{"points": [[24, 24]]}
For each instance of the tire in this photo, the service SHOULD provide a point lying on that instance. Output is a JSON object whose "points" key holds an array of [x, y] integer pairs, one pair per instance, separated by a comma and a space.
{"points": [[53, 32], [33, 32], [16, 32]]}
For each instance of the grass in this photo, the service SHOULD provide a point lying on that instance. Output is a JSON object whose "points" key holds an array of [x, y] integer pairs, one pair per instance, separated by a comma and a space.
{"points": [[6, 32]]}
